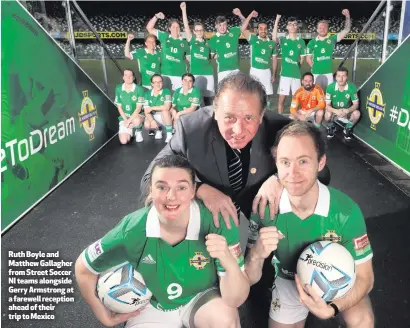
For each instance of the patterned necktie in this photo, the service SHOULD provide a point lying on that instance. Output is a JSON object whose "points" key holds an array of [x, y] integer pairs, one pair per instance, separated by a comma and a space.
{"points": [[235, 174]]}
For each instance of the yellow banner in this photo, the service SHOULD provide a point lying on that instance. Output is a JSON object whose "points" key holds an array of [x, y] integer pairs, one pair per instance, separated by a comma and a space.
{"points": [[353, 36], [103, 35]]}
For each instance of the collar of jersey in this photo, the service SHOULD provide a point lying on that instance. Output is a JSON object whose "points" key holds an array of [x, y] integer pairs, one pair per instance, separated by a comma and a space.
{"points": [[146, 51], [264, 40], [152, 93], [322, 206], [344, 89], [133, 87], [326, 37], [170, 37], [182, 90], [194, 225], [219, 34], [288, 38]]}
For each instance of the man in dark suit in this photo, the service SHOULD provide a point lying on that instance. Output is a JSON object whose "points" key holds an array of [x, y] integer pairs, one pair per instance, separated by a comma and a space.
{"points": [[229, 145]]}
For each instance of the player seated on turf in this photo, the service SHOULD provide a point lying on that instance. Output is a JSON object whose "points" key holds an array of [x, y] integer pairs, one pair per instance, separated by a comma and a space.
{"points": [[185, 99], [197, 278], [174, 51], [200, 60], [157, 107], [129, 98], [308, 103], [263, 54], [308, 210], [342, 104]]}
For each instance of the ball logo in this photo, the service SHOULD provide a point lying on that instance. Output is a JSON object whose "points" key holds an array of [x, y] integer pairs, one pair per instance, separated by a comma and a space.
{"points": [[88, 115], [199, 261], [375, 106]]}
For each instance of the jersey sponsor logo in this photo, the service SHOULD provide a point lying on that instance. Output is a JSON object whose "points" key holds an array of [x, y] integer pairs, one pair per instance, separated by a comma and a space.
{"points": [[88, 115], [290, 61], [323, 58], [361, 244], [95, 250], [331, 235], [375, 106], [260, 60], [199, 261], [229, 54], [236, 250], [171, 58], [199, 56], [159, 307], [148, 259]]}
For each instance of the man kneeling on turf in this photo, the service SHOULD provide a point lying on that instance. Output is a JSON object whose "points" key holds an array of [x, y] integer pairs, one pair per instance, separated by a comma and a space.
{"points": [[311, 100], [308, 211]]}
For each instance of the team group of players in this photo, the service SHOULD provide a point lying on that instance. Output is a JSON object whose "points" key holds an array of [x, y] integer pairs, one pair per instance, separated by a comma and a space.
{"points": [[168, 91]]}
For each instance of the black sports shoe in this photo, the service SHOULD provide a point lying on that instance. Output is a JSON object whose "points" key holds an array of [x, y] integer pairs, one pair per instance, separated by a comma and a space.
{"points": [[151, 132], [330, 132], [347, 134]]}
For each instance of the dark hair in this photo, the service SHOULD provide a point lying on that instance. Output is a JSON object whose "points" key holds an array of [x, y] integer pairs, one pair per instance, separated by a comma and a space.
{"points": [[190, 75], [128, 69], [156, 74], [220, 19], [308, 73], [169, 161], [342, 69], [257, 26], [291, 19], [302, 128], [242, 82], [172, 21]]}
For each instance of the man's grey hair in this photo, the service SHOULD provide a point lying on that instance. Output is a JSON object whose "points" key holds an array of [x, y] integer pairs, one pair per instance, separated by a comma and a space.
{"points": [[242, 83]]}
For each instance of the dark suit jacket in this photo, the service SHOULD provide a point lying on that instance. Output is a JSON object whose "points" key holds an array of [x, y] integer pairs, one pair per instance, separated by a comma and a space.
{"points": [[197, 138]]}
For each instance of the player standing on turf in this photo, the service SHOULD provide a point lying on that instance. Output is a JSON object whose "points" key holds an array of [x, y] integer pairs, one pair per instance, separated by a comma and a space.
{"points": [[185, 99], [195, 270], [149, 61], [174, 51], [200, 58], [157, 108], [320, 50], [225, 45], [129, 98], [263, 54], [308, 211], [342, 104], [292, 48]]}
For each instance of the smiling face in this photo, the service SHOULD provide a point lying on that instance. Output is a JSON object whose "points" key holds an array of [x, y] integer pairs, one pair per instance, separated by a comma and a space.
{"points": [[222, 28], [187, 83], [128, 77], [175, 30], [172, 191], [262, 30], [150, 43], [322, 29], [341, 78], [298, 164], [238, 115]]}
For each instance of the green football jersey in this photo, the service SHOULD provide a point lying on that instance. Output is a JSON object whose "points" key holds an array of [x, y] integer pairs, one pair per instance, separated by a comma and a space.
{"points": [[322, 52], [336, 218], [341, 99], [128, 100], [181, 101], [291, 51], [226, 48], [173, 54], [262, 52], [149, 64], [200, 57], [174, 274], [152, 100]]}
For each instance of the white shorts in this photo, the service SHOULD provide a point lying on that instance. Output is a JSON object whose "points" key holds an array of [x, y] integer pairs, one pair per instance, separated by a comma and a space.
{"points": [[205, 83], [180, 318], [172, 82], [265, 77], [323, 80], [222, 75], [285, 306], [158, 118], [123, 129], [287, 85]]}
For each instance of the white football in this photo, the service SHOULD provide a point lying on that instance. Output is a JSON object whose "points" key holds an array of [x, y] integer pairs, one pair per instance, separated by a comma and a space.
{"points": [[122, 289], [328, 267]]}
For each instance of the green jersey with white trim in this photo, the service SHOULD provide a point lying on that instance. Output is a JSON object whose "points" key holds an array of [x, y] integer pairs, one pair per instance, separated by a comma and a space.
{"points": [[341, 99], [337, 218], [200, 57], [181, 101], [128, 100], [173, 54], [322, 53], [262, 52], [149, 64], [291, 51], [174, 274], [226, 48], [152, 100]]}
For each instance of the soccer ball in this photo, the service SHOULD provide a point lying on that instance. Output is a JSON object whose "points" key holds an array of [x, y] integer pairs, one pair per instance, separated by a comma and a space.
{"points": [[328, 267], [122, 289]]}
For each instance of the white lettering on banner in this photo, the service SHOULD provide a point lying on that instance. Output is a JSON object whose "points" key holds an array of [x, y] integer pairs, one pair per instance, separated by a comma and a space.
{"points": [[403, 111], [402, 117], [24, 151]]}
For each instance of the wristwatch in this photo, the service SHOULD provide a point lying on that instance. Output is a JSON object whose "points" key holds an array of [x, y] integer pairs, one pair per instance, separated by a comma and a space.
{"points": [[334, 306]]}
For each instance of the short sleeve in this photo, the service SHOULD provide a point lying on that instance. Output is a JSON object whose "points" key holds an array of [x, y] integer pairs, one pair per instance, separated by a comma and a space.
{"points": [[140, 95], [146, 98], [353, 93], [252, 38], [354, 236], [196, 96], [236, 31], [211, 43], [187, 48], [135, 54], [333, 38], [167, 95], [274, 51], [329, 93], [295, 103], [162, 36], [255, 224], [302, 47], [175, 96], [310, 46], [117, 95]]}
